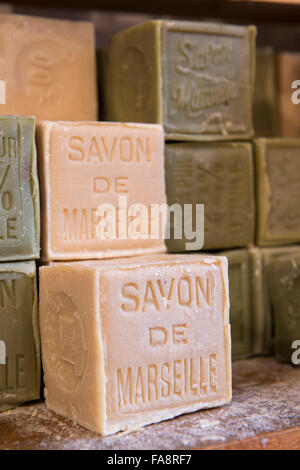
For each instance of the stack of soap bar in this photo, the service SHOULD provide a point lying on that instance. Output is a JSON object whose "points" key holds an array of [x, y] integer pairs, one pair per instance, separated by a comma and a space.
{"points": [[19, 334], [19, 190], [278, 191], [284, 281], [265, 106], [88, 164], [196, 79], [241, 318], [220, 176], [263, 315], [49, 68], [288, 70], [134, 341]]}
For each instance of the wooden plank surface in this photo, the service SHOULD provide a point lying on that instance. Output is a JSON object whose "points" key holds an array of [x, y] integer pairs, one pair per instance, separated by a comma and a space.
{"points": [[264, 414], [232, 11]]}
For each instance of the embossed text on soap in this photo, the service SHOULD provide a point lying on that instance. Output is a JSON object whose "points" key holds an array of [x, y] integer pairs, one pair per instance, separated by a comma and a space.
{"points": [[10, 197], [205, 82], [170, 361]]}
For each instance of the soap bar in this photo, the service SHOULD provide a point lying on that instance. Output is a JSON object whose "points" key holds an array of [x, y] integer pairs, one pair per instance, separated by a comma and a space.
{"points": [[49, 68], [241, 320], [20, 379], [220, 176], [197, 79], [284, 275], [87, 164], [288, 70], [19, 190], [265, 105], [278, 191], [134, 341], [263, 314]]}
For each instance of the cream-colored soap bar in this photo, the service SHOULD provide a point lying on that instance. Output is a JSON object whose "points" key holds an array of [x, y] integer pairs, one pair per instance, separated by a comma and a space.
{"points": [[84, 166], [134, 341], [48, 68]]}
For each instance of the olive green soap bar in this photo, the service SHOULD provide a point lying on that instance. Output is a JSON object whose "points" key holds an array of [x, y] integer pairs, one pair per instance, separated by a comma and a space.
{"points": [[277, 164], [220, 176], [284, 280], [263, 314], [241, 321], [19, 190], [265, 107], [197, 79], [19, 335]]}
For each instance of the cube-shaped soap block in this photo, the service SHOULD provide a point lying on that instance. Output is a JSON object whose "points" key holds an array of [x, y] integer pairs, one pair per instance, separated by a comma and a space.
{"points": [[135, 341], [20, 368], [263, 312], [99, 182], [19, 190], [278, 191], [284, 281], [48, 68], [241, 318], [196, 79], [220, 176]]}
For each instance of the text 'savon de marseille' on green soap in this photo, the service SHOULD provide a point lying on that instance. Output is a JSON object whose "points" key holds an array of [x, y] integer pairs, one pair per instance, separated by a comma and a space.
{"points": [[196, 79], [19, 190], [265, 108], [240, 312], [19, 335], [278, 191], [220, 176], [284, 280]]}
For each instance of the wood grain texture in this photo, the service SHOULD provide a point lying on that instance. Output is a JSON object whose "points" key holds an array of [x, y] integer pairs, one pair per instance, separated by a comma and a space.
{"points": [[264, 414]]}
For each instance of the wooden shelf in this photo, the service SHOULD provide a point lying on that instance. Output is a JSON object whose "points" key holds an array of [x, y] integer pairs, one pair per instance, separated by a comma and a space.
{"points": [[264, 414], [229, 10]]}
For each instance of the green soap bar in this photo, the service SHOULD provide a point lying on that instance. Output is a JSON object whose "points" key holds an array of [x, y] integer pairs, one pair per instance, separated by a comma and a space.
{"points": [[284, 282], [241, 321], [220, 176], [194, 78], [263, 322], [19, 190], [278, 191], [20, 369], [265, 109]]}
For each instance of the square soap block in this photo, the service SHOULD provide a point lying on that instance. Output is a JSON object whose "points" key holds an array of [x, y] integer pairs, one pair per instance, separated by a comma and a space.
{"points": [[277, 191], [220, 176], [240, 314], [265, 106], [87, 164], [48, 68], [20, 370], [19, 190], [263, 313], [134, 341], [197, 79], [284, 282]]}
